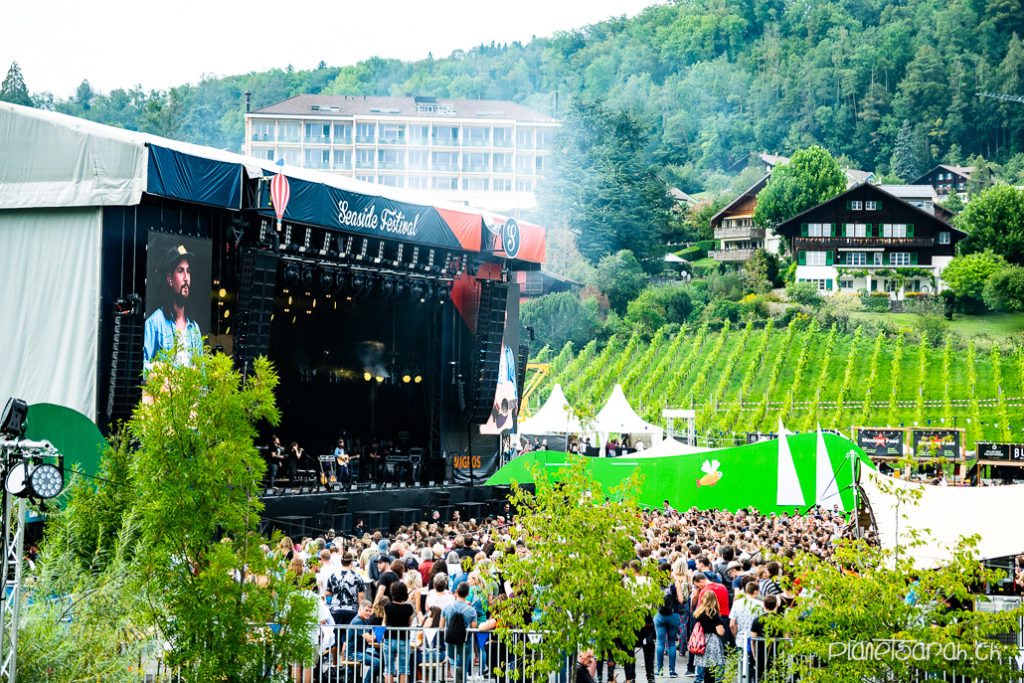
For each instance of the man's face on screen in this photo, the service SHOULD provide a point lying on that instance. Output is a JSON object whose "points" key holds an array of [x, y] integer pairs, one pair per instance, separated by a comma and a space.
{"points": [[180, 280]]}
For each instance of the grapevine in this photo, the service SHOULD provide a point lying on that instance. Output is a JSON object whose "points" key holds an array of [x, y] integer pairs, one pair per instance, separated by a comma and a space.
{"points": [[645, 360], [773, 376], [661, 368], [851, 364], [865, 414], [729, 421], [997, 380], [922, 376], [826, 360], [947, 368], [801, 366], [701, 380], [972, 381], [895, 375], [577, 387]]}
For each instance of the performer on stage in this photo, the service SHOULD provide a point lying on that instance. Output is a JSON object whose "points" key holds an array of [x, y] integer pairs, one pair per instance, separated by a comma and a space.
{"points": [[297, 460], [275, 457], [341, 462]]}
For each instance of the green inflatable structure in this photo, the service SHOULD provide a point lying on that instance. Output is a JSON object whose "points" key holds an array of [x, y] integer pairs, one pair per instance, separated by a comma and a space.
{"points": [[76, 437], [770, 476]]}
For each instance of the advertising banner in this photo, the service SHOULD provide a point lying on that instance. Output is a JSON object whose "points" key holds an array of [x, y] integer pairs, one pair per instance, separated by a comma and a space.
{"points": [[937, 443], [475, 469], [993, 451], [881, 442]]}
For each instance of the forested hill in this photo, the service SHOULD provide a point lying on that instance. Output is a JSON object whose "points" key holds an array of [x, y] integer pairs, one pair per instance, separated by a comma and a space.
{"points": [[714, 79]]}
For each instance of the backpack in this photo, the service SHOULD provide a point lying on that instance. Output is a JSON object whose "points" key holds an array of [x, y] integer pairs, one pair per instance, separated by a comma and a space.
{"points": [[455, 629], [668, 602], [696, 643]]}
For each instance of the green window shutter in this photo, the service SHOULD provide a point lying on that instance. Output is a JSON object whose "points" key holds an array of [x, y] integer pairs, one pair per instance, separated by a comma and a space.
{"points": [[832, 230], [913, 258], [846, 229], [828, 285], [829, 258], [910, 229], [803, 230], [801, 257], [874, 284], [848, 204], [867, 230], [879, 205], [885, 258]]}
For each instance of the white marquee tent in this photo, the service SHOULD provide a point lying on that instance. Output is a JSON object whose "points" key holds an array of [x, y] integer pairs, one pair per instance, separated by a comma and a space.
{"points": [[554, 417], [947, 512], [668, 447], [618, 417]]}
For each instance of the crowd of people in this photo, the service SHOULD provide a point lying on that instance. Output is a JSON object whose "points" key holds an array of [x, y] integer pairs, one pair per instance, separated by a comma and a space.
{"points": [[721, 571]]}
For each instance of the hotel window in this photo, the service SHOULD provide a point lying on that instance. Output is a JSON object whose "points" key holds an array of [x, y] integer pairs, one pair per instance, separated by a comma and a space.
{"points": [[364, 158], [474, 184], [342, 133], [419, 134], [819, 229], [524, 163], [899, 258], [539, 165], [390, 180], [476, 135], [392, 132], [366, 178], [419, 158], [445, 183], [318, 158], [390, 158], [524, 138], [544, 136], [524, 186], [944, 237], [365, 132], [816, 258], [502, 137], [857, 258], [502, 163], [855, 205], [855, 229], [290, 156], [502, 185], [262, 131], [342, 158], [876, 259], [288, 132], [419, 182], [476, 161], [445, 161], [318, 132], [446, 134]]}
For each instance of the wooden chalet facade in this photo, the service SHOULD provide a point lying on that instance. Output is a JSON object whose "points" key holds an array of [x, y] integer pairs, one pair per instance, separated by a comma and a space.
{"points": [[947, 180], [734, 228], [869, 239]]}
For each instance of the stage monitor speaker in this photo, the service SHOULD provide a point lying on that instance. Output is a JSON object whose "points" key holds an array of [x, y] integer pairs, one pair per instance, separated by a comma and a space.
{"points": [[490, 329], [257, 285], [403, 517], [336, 505], [125, 365], [521, 360], [373, 520], [472, 510], [439, 498]]}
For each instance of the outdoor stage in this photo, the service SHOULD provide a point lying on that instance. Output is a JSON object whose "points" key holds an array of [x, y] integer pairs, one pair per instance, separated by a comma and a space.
{"points": [[310, 514]]}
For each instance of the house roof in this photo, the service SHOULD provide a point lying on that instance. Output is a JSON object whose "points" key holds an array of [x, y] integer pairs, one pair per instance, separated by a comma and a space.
{"points": [[349, 105], [857, 175], [749, 192], [773, 159], [965, 171], [911, 191], [781, 228], [681, 196]]}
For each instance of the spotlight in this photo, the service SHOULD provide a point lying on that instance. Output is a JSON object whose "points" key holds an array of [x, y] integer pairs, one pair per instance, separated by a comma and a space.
{"points": [[291, 274], [14, 420], [307, 277], [367, 376], [428, 292], [343, 280], [406, 378], [387, 287], [45, 481], [417, 379], [327, 280], [379, 378], [358, 283], [400, 287], [17, 479], [417, 291]]}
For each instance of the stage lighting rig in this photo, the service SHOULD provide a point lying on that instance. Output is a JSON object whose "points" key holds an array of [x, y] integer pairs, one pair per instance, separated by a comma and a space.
{"points": [[387, 287], [15, 417], [327, 281], [291, 274], [307, 277]]}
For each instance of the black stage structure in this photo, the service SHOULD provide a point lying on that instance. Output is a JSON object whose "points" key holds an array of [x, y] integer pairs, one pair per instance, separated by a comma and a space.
{"points": [[386, 321]]}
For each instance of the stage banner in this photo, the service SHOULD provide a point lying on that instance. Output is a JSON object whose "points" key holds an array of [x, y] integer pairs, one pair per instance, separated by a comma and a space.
{"points": [[993, 451], [937, 443], [881, 442], [372, 215], [474, 469]]}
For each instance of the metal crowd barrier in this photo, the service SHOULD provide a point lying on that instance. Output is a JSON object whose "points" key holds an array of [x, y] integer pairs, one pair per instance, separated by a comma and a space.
{"points": [[378, 654]]}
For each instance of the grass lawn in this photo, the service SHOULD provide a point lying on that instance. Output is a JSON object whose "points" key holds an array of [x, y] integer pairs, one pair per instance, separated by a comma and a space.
{"points": [[994, 327]]}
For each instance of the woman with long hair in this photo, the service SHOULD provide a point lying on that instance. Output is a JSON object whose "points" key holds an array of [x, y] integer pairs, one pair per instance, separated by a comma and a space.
{"points": [[398, 614], [668, 619], [710, 661]]}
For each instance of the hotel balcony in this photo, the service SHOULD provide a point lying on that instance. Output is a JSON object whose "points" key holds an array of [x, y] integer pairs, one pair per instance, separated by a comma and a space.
{"points": [[745, 233], [317, 140]]}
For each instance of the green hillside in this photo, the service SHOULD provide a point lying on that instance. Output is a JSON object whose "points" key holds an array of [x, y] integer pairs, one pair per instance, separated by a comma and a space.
{"points": [[744, 379]]}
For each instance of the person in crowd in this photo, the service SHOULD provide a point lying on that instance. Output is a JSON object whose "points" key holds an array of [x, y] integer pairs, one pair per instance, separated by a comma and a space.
{"points": [[341, 462], [439, 595], [398, 613], [707, 616], [275, 458], [668, 620], [457, 652], [360, 645], [745, 609], [761, 654]]}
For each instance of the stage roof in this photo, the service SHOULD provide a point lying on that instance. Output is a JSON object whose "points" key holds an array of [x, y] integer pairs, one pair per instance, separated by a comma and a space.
{"points": [[54, 160]]}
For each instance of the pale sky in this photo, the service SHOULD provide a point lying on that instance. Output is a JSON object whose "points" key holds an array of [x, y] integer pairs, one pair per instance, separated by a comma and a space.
{"points": [[122, 43]]}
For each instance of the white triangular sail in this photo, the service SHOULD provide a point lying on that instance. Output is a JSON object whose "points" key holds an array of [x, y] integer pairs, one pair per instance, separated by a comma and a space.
{"points": [[825, 477], [788, 491]]}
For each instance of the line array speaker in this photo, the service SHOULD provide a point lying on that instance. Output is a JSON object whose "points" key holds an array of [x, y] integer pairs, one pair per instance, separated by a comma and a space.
{"points": [[490, 328], [257, 285], [125, 365]]}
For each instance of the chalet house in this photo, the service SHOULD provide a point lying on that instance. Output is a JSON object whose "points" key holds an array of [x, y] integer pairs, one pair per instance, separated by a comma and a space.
{"points": [[946, 179], [734, 228], [870, 239]]}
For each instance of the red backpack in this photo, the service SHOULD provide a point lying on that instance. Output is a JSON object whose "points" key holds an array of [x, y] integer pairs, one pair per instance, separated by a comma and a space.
{"points": [[696, 643]]}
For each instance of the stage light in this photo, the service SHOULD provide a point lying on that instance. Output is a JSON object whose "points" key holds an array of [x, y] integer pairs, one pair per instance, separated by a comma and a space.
{"points": [[15, 417], [417, 379], [400, 287], [358, 283], [387, 287], [222, 293], [379, 378], [367, 376], [17, 479], [343, 280], [307, 277], [417, 291], [327, 280], [291, 274], [406, 378], [45, 481]]}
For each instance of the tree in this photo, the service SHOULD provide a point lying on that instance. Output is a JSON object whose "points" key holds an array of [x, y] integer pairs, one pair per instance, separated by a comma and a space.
{"points": [[811, 177], [954, 203], [1004, 290], [966, 276], [994, 221], [13, 89], [919, 624], [804, 293], [578, 539], [196, 475], [600, 186], [658, 305], [621, 277], [560, 317], [905, 163], [760, 271]]}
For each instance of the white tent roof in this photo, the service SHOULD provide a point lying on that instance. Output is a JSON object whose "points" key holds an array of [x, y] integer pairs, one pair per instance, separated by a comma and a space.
{"points": [[947, 512], [554, 417], [618, 417], [669, 447]]}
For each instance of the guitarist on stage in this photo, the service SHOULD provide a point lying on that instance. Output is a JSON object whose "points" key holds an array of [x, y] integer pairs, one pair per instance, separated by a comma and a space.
{"points": [[341, 461]]}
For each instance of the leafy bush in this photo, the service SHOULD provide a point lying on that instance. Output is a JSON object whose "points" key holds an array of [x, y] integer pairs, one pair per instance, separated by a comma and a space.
{"points": [[804, 293], [725, 310], [878, 302], [1004, 290], [923, 304], [706, 245], [967, 275], [754, 305], [932, 329], [657, 306]]}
